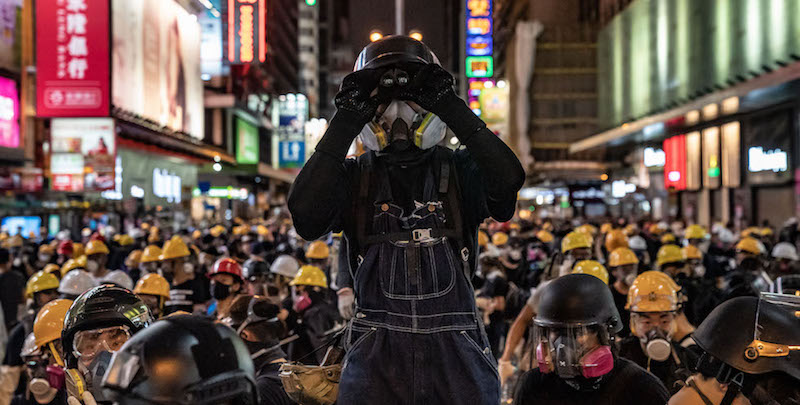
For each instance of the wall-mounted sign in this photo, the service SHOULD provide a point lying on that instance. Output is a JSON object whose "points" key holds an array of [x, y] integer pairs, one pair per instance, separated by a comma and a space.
{"points": [[244, 24], [479, 43], [156, 179], [83, 154], [166, 185], [246, 142], [654, 157], [222, 192], [72, 57], [621, 188], [291, 121], [759, 160], [23, 226], [291, 154], [9, 113], [675, 164], [21, 179]]}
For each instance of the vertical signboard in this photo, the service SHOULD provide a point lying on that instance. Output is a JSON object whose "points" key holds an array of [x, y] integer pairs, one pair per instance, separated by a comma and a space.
{"points": [[244, 23], [246, 142], [479, 39], [82, 156], [72, 74], [675, 163], [10, 34], [711, 158], [292, 113], [9, 114], [693, 161]]}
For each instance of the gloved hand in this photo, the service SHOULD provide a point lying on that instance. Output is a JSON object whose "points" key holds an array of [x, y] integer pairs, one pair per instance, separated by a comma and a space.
{"points": [[505, 369], [355, 96], [345, 302], [87, 398]]}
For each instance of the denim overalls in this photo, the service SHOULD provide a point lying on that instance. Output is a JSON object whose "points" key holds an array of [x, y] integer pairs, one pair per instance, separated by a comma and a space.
{"points": [[416, 337]]}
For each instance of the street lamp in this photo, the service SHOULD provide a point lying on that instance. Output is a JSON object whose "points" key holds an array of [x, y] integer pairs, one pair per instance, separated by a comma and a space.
{"points": [[375, 35], [416, 35]]}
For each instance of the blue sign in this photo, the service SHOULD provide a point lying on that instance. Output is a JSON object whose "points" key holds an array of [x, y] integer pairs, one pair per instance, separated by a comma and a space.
{"points": [[22, 225], [479, 45], [291, 154]]}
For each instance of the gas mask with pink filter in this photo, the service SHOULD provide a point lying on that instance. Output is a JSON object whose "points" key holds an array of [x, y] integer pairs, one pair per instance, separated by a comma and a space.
{"points": [[572, 352]]}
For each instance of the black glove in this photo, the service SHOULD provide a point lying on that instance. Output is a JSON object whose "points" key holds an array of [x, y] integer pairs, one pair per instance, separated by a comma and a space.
{"points": [[354, 96]]}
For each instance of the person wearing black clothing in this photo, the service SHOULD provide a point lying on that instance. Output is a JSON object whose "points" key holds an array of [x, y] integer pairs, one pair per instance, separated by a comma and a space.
{"points": [[492, 300], [414, 207], [12, 284], [573, 335]]}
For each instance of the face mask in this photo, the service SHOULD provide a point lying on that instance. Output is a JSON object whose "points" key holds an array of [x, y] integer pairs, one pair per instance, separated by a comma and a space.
{"points": [[301, 302], [699, 271], [17, 262], [629, 279], [92, 266], [220, 291], [400, 127], [44, 258], [656, 345], [515, 255], [44, 388], [188, 268], [596, 363]]}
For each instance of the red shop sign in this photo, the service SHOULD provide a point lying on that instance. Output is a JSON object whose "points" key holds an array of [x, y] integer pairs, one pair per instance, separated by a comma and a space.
{"points": [[72, 57], [675, 165]]}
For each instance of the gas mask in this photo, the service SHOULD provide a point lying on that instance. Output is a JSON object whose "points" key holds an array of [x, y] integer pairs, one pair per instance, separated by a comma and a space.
{"points": [[45, 383], [301, 301], [656, 345], [568, 353], [399, 124]]}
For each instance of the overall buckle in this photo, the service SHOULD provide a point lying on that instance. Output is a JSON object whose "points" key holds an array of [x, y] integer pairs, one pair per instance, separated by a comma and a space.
{"points": [[421, 234]]}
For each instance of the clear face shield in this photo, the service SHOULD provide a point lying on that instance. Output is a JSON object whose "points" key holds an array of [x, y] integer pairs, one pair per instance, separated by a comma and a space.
{"points": [[573, 351], [786, 285]]}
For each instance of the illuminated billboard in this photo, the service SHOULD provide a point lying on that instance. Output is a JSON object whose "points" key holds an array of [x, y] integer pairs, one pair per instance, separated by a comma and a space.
{"points": [[244, 23], [675, 163], [479, 42]]}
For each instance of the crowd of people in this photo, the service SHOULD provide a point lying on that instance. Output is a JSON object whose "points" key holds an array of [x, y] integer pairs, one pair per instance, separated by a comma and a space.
{"points": [[183, 312]]}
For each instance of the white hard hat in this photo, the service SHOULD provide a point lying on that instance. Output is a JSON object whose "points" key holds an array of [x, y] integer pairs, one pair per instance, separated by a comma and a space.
{"points": [[726, 236], [62, 235], [119, 278], [136, 233], [784, 250], [285, 265], [637, 242], [29, 347], [76, 282]]}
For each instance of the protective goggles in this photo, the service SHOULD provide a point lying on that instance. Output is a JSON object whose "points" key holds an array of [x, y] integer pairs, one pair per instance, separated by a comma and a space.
{"points": [[88, 343]]}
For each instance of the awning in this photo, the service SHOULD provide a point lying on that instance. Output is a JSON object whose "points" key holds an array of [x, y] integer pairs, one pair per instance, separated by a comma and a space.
{"points": [[620, 133]]}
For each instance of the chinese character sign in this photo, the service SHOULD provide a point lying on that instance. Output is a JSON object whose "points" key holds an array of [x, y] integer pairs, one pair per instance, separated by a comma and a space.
{"points": [[245, 30], [9, 114], [479, 38], [72, 71]]}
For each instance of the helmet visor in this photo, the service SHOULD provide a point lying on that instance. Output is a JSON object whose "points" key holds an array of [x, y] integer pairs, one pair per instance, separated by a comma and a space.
{"points": [[566, 350], [761, 346], [87, 344]]}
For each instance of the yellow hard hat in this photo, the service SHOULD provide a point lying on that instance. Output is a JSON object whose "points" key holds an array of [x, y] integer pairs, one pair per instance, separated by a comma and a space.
{"points": [[483, 239], [751, 232], [151, 253], [78, 250], [669, 254], [96, 247], [318, 250], [197, 234], [629, 230], [217, 230], [514, 226], [548, 226], [691, 252], [656, 229], [310, 275], [174, 248], [668, 238], [262, 230], [622, 256], [14, 241], [591, 267], [145, 226], [749, 245], [135, 256], [152, 284], [47, 249], [50, 321], [766, 231], [499, 239], [695, 232], [40, 281], [606, 227], [615, 239], [125, 240], [3, 236], [544, 236], [651, 292], [52, 269], [154, 237], [588, 229], [241, 230], [68, 266], [575, 240], [238, 221]]}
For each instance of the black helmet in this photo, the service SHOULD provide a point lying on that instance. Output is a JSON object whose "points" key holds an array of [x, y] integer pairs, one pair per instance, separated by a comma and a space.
{"points": [[100, 307], [578, 299], [253, 268], [183, 359], [750, 335], [394, 49]]}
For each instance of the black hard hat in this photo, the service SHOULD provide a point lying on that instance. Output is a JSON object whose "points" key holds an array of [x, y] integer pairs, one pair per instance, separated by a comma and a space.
{"points": [[578, 300], [101, 307], [182, 359], [253, 268], [728, 332], [394, 49]]}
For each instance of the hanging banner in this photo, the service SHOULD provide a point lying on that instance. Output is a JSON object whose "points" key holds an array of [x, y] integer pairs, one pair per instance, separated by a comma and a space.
{"points": [[82, 154], [675, 164], [244, 23], [72, 74], [9, 113]]}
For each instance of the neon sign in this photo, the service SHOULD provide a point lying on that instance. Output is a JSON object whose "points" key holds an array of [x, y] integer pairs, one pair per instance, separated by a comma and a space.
{"points": [[246, 33], [775, 160], [675, 162], [654, 157], [479, 42]]}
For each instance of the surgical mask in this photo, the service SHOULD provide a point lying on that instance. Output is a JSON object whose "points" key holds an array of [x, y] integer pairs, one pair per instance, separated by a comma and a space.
{"points": [[44, 258], [515, 255], [699, 271], [188, 268], [45, 387], [629, 278], [656, 345], [92, 266], [220, 291], [301, 302]]}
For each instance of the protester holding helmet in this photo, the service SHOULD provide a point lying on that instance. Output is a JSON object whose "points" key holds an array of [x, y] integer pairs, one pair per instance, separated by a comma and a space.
{"points": [[97, 324], [573, 337], [653, 305]]}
